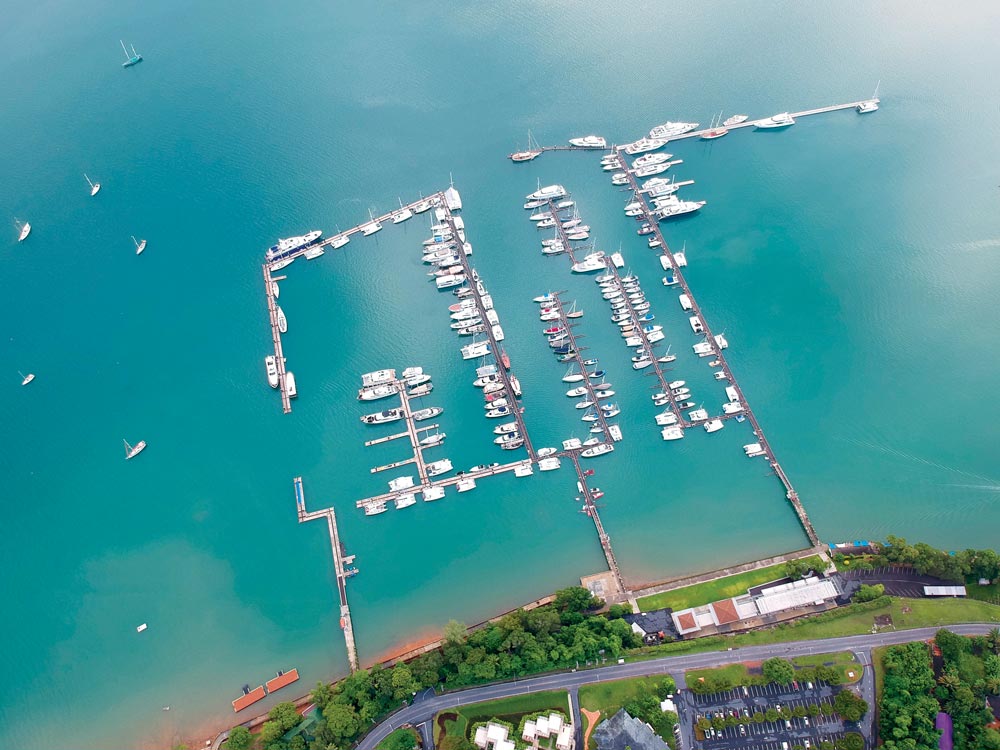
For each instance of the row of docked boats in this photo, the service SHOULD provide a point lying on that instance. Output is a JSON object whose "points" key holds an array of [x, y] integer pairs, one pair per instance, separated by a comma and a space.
{"points": [[274, 376], [661, 193], [534, 150]]}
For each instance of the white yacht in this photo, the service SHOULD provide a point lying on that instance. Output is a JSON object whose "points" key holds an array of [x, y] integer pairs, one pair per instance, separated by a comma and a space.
{"points": [[466, 484], [589, 141], [672, 433], [429, 413], [651, 169], [401, 483], [25, 379], [401, 215], [25, 231], [313, 253], [453, 199], [431, 440], [405, 500], [775, 122], [376, 392], [732, 407], [95, 187], [549, 192], [649, 159], [131, 451], [753, 450], [339, 241], [703, 349], [439, 467], [523, 470], [433, 493], [867, 106], [548, 464], [666, 418], [270, 364], [139, 245], [373, 509], [449, 281], [383, 417], [370, 228], [290, 389], [592, 262], [735, 120], [476, 350], [282, 320], [679, 208], [698, 415], [378, 377], [597, 450], [672, 129], [421, 206], [714, 425], [291, 244], [643, 145]]}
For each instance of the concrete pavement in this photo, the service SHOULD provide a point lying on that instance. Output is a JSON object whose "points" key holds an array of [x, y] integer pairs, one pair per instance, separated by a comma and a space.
{"points": [[425, 710]]}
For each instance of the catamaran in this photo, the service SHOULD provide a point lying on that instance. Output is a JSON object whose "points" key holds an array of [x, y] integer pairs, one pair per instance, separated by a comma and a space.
{"points": [[139, 246], [95, 187], [131, 451], [132, 59]]}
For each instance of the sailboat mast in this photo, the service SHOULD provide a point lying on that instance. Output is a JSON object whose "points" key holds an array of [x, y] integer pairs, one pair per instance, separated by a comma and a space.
{"points": [[123, 47]]}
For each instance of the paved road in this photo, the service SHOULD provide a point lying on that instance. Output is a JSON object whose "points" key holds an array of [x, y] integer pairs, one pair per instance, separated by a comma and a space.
{"points": [[424, 710]]}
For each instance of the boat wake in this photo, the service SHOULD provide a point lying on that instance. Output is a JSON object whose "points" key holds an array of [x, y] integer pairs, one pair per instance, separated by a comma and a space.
{"points": [[990, 481]]}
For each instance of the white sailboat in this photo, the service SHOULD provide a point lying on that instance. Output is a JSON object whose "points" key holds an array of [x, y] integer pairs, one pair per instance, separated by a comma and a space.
{"points": [[95, 187], [25, 379], [131, 451], [25, 230], [139, 246]]}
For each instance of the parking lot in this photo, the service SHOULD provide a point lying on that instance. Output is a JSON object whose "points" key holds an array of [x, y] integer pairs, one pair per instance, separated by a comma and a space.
{"points": [[766, 735]]}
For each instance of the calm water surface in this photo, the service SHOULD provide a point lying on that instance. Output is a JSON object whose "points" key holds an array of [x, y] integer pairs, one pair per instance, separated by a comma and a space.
{"points": [[851, 261]]}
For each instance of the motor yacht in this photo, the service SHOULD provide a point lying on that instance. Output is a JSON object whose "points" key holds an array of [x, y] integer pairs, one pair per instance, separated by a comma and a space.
{"points": [[775, 122]]}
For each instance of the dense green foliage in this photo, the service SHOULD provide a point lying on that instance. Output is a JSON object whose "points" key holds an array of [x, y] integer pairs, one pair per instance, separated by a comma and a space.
{"points": [[963, 686], [239, 739], [401, 739], [907, 710], [778, 670], [562, 634], [982, 563], [850, 707], [868, 593], [647, 708]]}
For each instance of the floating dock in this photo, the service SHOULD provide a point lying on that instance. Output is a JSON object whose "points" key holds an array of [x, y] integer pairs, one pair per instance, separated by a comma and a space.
{"points": [[279, 355], [284, 679], [340, 563], [248, 699]]}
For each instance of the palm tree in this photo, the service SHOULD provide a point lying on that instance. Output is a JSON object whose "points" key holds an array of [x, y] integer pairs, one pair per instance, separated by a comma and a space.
{"points": [[950, 680], [993, 638]]}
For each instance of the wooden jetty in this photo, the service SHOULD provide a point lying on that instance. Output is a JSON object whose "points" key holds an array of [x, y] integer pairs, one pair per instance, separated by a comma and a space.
{"points": [[647, 216], [590, 506], [279, 356], [340, 563]]}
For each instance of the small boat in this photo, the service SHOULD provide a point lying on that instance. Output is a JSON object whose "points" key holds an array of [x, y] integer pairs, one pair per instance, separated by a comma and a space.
{"points": [[431, 440], [714, 425], [401, 483], [589, 141], [754, 449], [373, 509], [508, 437], [428, 413], [313, 253], [290, 389], [25, 230], [672, 129], [869, 105], [642, 363], [140, 246], [606, 393], [505, 428], [578, 391], [271, 366], [666, 418], [402, 214], [648, 159], [338, 241], [483, 467], [515, 385], [95, 187], [131, 451], [672, 433], [502, 411], [677, 383], [571, 444], [466, 484], [496, 403], [376, 392], [439, 467], [573, 377], [549, 464], [383, 417], [25, 379], [698, 415], [417, 378], [278, 265], [549, 192], [134, 59], [735, 120], [140, 629], [643, 145], [775, 122], [421, 206], [597, 373], [543, 452], [433, 493], [667, 358], [732, 407], [597, 450], [530, 153], [282, 321], [585, 404]]}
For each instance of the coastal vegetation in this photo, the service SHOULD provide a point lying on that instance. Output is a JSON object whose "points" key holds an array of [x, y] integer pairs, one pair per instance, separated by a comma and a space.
{"points": [[458, 723], [962, 565], [912, 694], [723, 588]]}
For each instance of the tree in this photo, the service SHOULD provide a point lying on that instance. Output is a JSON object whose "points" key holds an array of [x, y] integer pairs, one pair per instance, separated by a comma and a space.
{"points": [[576, 599], [617, 611], [239, 739], [403, 683], [322, 694], [849, 706], [285, 715], [401, 739], [454, 633], [868, 593], [852, 741], [797, 568], [270, 733], [778, 670], [991, 740], [993, 638], [771, 714], [342, 721]]}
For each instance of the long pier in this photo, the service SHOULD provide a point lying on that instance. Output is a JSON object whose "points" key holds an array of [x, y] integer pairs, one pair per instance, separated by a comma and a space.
{"points": [[702, 131], [647, 215], [279, 356], [591, 509], [340, 563]]}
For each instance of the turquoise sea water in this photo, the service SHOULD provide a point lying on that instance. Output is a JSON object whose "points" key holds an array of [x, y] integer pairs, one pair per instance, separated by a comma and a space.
{"points": [[851, 261]]}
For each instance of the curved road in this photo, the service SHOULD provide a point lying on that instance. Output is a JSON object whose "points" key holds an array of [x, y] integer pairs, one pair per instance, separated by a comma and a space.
{"points": [[424, 709]]}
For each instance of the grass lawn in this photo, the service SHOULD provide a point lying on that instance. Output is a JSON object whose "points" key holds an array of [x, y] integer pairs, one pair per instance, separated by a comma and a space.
{"points": [[711, 591], [738, 674], [877, 653], [989, 593], [608, 697], [921, 613], [457, 721], [392, 735]]}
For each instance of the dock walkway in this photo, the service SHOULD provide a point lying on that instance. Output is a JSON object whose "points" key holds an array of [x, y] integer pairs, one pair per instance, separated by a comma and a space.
{"points": [[279, 355], [340, 562], [647, 216]]}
